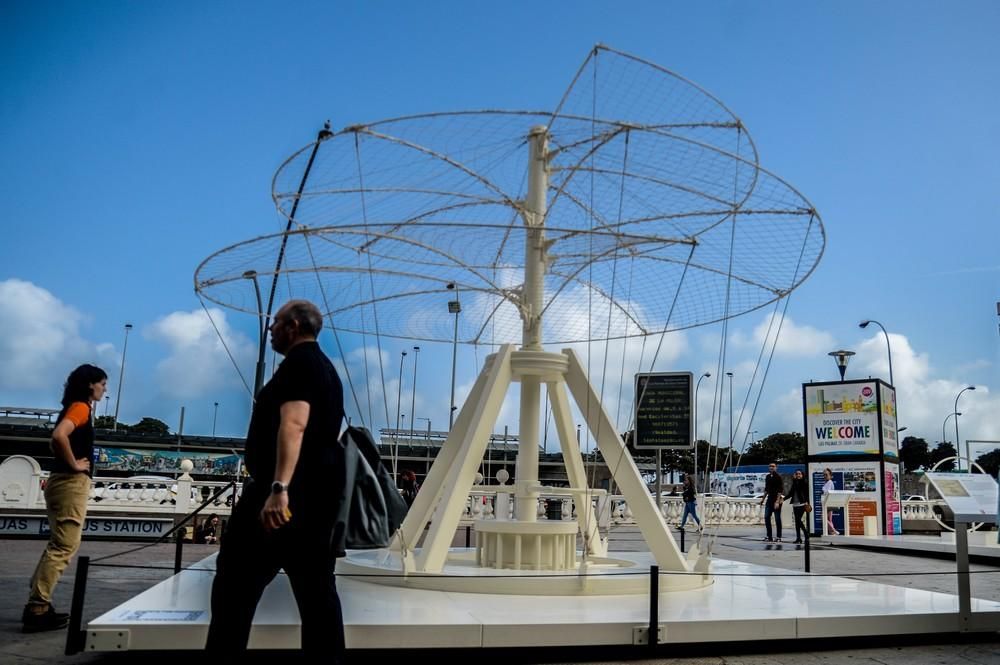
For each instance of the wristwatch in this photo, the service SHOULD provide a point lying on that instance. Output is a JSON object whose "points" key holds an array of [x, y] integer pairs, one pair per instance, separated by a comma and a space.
{"points": [[277, 487]]}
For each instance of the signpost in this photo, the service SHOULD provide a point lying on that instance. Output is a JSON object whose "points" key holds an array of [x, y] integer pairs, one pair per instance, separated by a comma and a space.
{"points": [[663, 410], [972, 498], [663, 415]]}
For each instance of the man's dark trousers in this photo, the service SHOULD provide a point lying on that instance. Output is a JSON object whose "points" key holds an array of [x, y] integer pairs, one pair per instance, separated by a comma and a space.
{"points": [[768, 511], [250, 557]]}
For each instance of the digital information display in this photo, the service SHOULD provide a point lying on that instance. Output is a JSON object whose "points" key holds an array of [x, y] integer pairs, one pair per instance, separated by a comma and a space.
{"points": [[663, 410]]}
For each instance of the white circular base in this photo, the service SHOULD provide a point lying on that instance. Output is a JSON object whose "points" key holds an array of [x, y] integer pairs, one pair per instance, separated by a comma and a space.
{"points": [[620, 573]]}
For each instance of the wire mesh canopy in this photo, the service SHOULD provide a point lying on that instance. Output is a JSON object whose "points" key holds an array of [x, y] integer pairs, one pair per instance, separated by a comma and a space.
{"points": [[659, 217]]}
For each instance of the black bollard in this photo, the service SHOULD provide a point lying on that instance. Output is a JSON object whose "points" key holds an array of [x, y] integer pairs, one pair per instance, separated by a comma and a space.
{"points": [[807, 550], [179, 551], [654, 606], [681, 529], [75, 637], [468, 536]]}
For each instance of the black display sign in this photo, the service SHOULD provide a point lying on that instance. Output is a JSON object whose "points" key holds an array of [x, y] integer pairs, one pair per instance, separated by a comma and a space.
{"points": [[663, 410]]}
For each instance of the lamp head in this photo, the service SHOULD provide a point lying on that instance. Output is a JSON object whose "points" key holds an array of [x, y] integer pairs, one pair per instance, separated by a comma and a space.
{"points": [[707, 375], [249, 274], [864, 324], [842, 357]]}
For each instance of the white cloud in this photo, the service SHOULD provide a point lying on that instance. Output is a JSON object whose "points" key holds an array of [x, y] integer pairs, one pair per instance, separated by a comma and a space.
{"points": [[924, 399], [41, 341], [794, 340], [198, 363]]}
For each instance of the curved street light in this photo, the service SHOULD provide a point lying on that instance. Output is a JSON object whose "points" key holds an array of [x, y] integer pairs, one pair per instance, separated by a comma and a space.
{"points": [[957, 440], [864, 324], [706, 375], [944, 423]]}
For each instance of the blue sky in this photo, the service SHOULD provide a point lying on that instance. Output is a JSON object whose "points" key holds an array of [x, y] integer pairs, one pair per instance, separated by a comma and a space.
{"points": [[139, 138]]}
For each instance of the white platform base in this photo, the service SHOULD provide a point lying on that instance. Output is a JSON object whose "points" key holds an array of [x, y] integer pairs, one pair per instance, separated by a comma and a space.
{"points": [[746, 602], [981, 543]]}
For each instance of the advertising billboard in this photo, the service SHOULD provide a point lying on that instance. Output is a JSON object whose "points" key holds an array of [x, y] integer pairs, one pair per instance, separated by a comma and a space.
{"points": [[842, 418], [861, 477], [893, 508], [746, 485], [165, 461], [887, 399]]}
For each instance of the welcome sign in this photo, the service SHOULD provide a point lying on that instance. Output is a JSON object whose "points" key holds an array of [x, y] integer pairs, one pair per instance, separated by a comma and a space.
{"points": [[842, 419]]}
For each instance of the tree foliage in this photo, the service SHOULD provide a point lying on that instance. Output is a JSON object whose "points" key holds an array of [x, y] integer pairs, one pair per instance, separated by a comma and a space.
{"points": [[780, 447], [944, 450], [150, 426], [990, 462], [915, 453], [105, 422]]}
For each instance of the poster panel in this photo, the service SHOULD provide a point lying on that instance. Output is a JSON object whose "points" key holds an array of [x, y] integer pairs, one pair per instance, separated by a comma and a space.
{"points": [[748, 485], [165, 461], [842, 418], [890, 437], [857, 476], [893, 507], [859, 511]]}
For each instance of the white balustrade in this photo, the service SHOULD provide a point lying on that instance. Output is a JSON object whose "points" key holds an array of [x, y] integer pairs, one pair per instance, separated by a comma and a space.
{"points": [[23, 483]]}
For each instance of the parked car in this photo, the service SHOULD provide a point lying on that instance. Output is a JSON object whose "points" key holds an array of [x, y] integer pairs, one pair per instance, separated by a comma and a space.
{"points": [[914, 497]]}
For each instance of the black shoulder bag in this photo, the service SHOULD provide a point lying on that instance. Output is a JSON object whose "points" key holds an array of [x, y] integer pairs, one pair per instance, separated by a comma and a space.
{"points": [[371, 508]]}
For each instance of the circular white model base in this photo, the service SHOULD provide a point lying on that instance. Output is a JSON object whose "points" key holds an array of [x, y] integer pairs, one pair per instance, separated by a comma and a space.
{"points": [[517, 545], [618, 574]]}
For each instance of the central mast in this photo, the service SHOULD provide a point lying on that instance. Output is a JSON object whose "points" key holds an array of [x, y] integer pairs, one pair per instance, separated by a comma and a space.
{"points": [[532, 298]]}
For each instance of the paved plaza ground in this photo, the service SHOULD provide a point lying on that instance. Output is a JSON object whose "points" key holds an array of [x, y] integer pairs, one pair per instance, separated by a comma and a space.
{"points": [[109, 586]]}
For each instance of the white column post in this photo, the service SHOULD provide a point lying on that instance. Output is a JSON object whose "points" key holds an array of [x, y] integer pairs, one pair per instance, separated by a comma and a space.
{"points": [[532, 298]]}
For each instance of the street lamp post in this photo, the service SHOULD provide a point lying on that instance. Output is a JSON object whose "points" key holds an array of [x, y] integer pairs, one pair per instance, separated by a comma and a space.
{"points": [[697, 387], [121, 376], [454, 307], [428, 428], [944, 423], [958, 440], [413, 398], [730, 375], [258, 378], [888, 347], [399, 398], [215, 417], [842, 358]]}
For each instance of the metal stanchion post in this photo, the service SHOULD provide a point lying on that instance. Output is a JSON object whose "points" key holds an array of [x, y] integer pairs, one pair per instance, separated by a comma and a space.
{"points": [[681, 529], [74, 636], [179, 551], [964, 588], [806, 529], [468, 536], [654, 606]]}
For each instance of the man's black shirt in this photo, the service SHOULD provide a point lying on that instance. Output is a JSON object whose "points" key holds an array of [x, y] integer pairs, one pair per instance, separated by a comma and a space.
{"points": [[307, 375], [773, 486]]}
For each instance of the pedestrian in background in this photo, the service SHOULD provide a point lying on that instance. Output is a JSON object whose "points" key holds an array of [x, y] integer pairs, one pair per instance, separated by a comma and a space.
{"points": [[774, 489], [66, 494], [798, 494], [690, 497]]}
